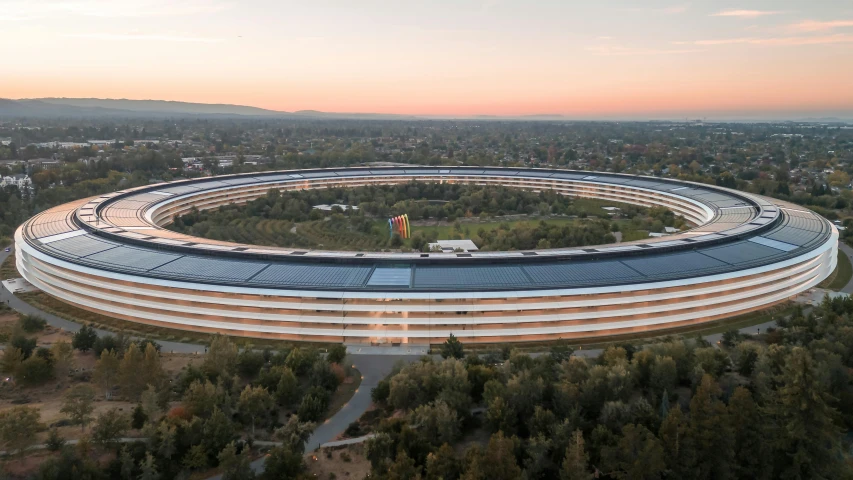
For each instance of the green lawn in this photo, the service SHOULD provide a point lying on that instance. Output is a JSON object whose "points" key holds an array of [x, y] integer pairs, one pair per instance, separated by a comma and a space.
{"points": [[445, 232], [8, 269], [841, 276]]}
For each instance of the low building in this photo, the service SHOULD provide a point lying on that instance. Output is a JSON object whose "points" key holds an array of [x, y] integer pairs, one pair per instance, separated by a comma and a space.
{"points": [[453, 246], [328, 208], [20, 180]]}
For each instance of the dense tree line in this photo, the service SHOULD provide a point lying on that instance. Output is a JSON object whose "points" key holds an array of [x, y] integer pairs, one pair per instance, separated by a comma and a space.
{"points": [[769, 407], [189, 424]]}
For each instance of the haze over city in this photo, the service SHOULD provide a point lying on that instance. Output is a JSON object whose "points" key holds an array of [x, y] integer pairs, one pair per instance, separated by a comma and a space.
{"points": [[586, 60]]}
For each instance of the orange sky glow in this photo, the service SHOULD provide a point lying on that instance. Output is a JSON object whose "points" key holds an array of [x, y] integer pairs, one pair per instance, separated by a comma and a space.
{"points": [[605, 59]]}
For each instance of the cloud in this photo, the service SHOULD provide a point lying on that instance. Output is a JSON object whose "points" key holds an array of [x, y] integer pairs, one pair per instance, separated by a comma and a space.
{"points": [[774, 41], [746, 13], [108, 9], [604, 38], [613, 50], [146, 37], [816, 26]]}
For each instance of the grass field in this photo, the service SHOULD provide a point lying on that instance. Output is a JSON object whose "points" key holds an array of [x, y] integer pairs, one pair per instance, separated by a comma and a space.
{"points": [[841, 276], [8, 269], [446, 232]]}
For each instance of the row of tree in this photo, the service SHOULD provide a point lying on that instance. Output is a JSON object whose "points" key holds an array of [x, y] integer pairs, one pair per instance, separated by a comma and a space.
{"points": [[773, 407]]}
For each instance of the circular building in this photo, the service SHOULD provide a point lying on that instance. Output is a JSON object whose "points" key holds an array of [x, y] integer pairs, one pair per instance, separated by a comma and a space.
{"points": [[110, 255]]}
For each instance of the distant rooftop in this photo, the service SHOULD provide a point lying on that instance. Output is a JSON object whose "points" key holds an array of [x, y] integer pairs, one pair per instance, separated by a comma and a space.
{"points": [[453, 245]]}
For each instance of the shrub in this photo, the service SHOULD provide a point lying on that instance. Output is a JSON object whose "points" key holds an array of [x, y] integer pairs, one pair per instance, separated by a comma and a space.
{"points": [[249, 363], [353, 430], [381, 391], [35, 370], [54, 441], [26, 345], [84, 339], [32, 323], [336, 354]]}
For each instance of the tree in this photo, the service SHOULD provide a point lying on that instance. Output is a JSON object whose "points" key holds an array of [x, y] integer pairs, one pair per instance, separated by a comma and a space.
{"points": [[638, 455], [130, 375], [282, 462], [436, 422], [575, 464], [235, 466], [24, 344], [218, 431], [255, 403], [287, 389], [498, 461], [150, 403], [166, 438], [138, 417], [295, 433], [148, 468], [709, 430], [452, 347], [11, 360], [196, 457], [109, 426], [18, 427], [312, 407], [443, 464], [403, 468], [201, 398], [753, 454], [501, 416], [35, 370], [808, 437], [336, 354], [84, 339], [221, 358], [77, 404], [664, 374], [152, 369], [299, 360], [63, 358], [106, 372], [126, 464], [249, 362]]}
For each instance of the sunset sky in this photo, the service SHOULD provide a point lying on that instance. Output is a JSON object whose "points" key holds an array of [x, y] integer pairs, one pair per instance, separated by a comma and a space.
{"points": [[591, 59]]}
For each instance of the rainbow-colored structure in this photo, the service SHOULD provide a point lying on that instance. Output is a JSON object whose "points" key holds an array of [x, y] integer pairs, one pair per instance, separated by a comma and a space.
{"points": [[400, 224]]}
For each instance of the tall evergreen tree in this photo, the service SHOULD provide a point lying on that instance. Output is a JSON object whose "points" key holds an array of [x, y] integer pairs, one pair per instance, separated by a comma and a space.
{"points": [[808, 437]]}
